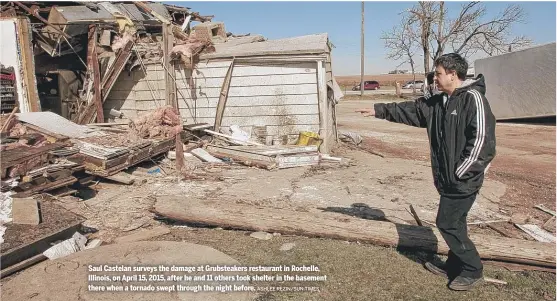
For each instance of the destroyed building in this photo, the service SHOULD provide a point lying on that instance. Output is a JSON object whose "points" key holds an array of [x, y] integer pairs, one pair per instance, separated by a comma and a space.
{"points": [[114, 61], [92, 89]]}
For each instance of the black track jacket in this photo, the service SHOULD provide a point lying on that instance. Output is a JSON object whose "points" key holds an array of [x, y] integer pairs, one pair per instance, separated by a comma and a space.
{"points": [[461, 134]]}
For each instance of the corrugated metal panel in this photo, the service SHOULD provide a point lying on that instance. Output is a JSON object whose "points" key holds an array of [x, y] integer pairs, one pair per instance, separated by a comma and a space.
{"points": [[520, 84]]}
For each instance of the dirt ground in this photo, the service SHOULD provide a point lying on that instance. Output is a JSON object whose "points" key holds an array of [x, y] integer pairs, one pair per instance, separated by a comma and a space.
{"points": [[523, 175]]}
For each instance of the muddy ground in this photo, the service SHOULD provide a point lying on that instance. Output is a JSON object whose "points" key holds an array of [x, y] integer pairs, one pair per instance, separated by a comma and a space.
{"points": [[522, 175]]}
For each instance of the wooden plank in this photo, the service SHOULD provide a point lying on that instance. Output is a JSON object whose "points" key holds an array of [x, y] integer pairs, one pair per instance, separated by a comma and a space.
{"points": [[274, 150], [243, 160], [338, 226], [18, 254], [46, 187], [223, 96], [25, 211], [217, 69], [324, 126], [297, 161], [501, 230], [245, 156], [169, 73], [537, 233], [16, 156], [204, 155]]}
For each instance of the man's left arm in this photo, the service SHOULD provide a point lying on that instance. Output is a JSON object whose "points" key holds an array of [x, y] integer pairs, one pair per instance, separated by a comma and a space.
{"points": [[480, 137]]}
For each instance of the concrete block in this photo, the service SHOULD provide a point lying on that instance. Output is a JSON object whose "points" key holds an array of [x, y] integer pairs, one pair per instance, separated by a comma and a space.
{"points": [[25, 211]]}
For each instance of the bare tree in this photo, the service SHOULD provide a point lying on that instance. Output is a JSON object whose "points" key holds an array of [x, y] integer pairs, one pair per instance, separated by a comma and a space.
{"points": [[423, 16], [468, 33], [403, 44]]}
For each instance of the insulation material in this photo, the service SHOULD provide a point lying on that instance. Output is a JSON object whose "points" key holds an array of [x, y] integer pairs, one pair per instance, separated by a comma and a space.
{"points": [[192, 47], [164, 122]]}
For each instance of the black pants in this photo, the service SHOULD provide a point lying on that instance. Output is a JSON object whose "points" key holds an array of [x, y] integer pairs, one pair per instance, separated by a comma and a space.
{"points": [[463, 259]]}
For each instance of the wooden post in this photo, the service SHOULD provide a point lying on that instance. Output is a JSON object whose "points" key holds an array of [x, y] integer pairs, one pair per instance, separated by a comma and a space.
{"points": [[28, 69], [170, 85], [170, 74], [93, 67]]}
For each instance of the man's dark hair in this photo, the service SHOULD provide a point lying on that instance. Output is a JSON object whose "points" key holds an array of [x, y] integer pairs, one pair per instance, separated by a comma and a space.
{"points": [[453, 62]]}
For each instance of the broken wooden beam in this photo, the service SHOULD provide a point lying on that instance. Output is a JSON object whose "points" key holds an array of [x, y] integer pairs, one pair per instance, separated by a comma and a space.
{"points": [[329, 225], [107, 83]]}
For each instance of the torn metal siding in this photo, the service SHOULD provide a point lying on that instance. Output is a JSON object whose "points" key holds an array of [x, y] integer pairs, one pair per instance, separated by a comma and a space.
{"points": [[520, 84]]}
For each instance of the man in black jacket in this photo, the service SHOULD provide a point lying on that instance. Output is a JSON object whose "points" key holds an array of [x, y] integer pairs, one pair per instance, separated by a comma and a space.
{"points": [[461, 130]]}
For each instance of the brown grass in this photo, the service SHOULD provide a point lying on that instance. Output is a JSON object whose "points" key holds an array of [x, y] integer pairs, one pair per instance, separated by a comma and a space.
{"points": [[383, 79]]}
